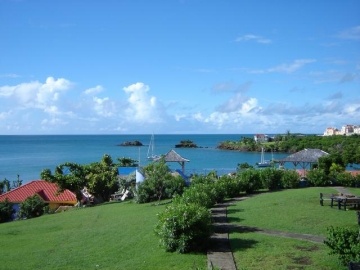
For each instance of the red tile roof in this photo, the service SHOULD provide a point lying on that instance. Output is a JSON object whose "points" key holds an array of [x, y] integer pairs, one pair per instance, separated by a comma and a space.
{"points": [[46, 190]]}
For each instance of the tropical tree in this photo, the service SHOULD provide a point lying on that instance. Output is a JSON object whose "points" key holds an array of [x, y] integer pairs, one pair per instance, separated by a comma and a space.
{"points": [[159, 183], [6, 211], [71, 176], [102, 178]]}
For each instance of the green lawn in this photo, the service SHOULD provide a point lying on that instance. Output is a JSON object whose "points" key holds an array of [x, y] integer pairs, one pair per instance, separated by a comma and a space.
{"points": [[110, 236], [296, 210]]}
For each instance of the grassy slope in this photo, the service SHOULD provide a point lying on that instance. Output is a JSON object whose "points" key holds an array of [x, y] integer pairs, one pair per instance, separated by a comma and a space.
{"points": [[296, 210], [111, 236]]}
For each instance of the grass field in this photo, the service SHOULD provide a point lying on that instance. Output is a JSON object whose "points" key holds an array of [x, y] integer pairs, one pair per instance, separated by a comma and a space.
{"points": [[296, 210], [110, 236], [121, 236]]}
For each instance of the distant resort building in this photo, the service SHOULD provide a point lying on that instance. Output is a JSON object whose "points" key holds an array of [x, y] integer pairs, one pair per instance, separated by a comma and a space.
{"points": [[345, 130], [260, 138]]}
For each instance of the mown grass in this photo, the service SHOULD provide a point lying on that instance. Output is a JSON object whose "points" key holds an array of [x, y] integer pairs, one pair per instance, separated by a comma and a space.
{"points": [[254, 251], [296, 210], [110, 236]]}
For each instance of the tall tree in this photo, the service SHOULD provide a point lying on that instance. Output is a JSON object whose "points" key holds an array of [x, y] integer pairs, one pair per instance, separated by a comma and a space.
{"points": [[102, 178], [68, 176]]}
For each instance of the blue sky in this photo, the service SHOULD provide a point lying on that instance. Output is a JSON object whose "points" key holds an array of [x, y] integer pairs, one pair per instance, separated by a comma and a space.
{"points": [[178, 66]]}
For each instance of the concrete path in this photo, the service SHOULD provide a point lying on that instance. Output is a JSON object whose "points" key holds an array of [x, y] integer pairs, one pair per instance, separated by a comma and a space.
{"points": [[219, 255]]}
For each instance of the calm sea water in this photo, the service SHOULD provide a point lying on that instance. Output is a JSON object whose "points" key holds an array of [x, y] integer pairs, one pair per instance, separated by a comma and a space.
{"points": [[29, 155]]}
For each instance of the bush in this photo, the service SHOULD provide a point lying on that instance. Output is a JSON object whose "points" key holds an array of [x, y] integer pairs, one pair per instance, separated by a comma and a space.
{"points": [[345, 179], [271, 178], [344, 243], [32, 207], [201, 194], [6, 211], [184, 227], [249, 180], [318, 178], [290, 179]]}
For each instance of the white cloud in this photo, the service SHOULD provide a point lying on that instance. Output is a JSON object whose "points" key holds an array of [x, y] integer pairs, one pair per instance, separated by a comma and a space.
{"points": [[141, 107], [292, 67], [104, 106], [36, 94], [255, 38], [94, 90], [351, 33]]}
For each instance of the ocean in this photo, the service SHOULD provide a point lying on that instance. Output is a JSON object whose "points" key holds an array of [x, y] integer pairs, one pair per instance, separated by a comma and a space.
{"points": [[28, 155]]}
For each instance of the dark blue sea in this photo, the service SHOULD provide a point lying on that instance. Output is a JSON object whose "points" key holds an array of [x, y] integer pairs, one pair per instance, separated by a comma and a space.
{"points": [[28, 155]]}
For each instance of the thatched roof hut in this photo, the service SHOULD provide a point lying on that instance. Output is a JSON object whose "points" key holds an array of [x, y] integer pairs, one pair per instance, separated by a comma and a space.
{"points": [[172, 156], [304, 157]]}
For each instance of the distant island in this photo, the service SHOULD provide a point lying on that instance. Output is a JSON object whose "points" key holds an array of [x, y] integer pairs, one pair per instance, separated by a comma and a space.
{"points": [[131, 143], [186, 144]]}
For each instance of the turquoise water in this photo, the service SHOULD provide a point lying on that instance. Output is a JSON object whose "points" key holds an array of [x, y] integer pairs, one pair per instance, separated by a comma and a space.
{"points": [[29, 155]]}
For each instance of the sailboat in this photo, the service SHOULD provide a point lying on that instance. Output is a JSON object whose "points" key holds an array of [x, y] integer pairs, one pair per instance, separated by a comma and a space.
{"points": [[150, 153], [263, 162]]}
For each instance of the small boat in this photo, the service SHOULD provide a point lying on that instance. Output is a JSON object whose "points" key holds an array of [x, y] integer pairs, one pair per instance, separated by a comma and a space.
{"points": [[150, 153], [263, 163]]}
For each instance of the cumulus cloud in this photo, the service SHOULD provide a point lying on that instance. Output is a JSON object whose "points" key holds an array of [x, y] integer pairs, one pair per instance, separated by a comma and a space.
{"points": [[255, 38], [141, 107], [36, 94], [104, 106]]}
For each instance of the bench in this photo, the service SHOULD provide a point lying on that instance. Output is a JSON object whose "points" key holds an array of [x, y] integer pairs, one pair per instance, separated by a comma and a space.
{"points": [[327, 197], [349, 201]]}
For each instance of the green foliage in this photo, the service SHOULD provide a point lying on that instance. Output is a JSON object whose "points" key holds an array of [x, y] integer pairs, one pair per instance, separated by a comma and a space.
{"points": [[249, 180], [243, 166], [227, 186], [271, 178], [184, 227], [290, 179], [318, 178], [5, 186], [32, 207], [68, 175], [159, 183], [345, 243], [127, 162], [102, 178], [343, 149], [6, 211], [345, 179], [203, 195]]}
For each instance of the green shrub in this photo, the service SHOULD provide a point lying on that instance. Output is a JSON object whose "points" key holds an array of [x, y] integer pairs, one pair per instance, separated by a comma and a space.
{"points": [[290, 179], [159, 184], [32, 207], [271, 178], [184, 227], [345, 179], [345, 243], [201, 194], [249, 180], [6, 211], [318, 178]]}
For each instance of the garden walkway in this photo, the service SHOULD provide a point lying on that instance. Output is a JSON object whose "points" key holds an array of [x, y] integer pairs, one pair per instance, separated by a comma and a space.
{"points": [[219, 255]]}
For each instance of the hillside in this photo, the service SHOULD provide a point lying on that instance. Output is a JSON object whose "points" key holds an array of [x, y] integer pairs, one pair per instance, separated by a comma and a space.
{"points": [[111, 236]]}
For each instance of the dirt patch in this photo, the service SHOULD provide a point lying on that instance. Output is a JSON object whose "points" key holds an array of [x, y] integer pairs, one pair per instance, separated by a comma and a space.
{"points": [[309, 248], [302, 260]]}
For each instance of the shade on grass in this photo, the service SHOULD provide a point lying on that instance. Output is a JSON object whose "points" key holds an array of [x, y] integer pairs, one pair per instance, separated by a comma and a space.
{"points": [[111, 236], [293, 210], [296, 210], [254, 251]]}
